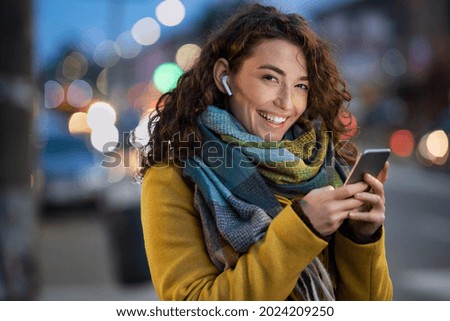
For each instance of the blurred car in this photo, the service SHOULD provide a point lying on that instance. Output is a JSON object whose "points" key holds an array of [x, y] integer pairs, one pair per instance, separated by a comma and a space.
{"points": [[71, 174]]}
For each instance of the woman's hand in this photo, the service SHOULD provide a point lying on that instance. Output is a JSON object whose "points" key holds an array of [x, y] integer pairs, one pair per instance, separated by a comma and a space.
{"points": [[326, 207], [364, 224]]}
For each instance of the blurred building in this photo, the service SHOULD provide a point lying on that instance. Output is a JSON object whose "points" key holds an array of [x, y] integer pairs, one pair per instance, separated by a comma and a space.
{"points": [[395, 57]]}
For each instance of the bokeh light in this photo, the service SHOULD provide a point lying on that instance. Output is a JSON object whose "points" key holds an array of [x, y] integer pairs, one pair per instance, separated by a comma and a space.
{"points": [[74, 66], [79, 93], [422, 151], [78, 124], [142, 94], [53, 94], [393, 63], [102, 81], [101, 115], [105, 54], [402, 143], [126, 47], [437, 143], [141, 133], [146, 31], [170, 12], [166, 76], [433, 148], [105, 139], [186, 55], [139, 95]]}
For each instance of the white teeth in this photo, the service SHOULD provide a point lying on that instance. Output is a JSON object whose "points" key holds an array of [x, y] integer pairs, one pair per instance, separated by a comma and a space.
{"points": [[273, 119]]}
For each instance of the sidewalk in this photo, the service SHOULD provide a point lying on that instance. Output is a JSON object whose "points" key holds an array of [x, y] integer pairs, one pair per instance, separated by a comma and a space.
{"points": [[77, 263]]}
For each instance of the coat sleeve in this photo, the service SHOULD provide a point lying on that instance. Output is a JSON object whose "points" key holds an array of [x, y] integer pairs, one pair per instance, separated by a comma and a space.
{"points": [[362, 269], [179, 263]]}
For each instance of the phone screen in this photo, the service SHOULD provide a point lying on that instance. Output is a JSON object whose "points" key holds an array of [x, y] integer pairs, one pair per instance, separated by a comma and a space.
{"points": [[371, 161]]}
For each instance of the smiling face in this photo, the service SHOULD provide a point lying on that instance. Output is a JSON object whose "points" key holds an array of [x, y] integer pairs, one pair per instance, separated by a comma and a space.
{"points": [[270, 89]]}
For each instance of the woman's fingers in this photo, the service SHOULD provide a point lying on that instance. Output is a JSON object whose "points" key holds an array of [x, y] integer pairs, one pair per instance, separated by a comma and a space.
{"points": [[367, 217], [374, 199], [347, 205], [364, 223], [376, 185], [349, 190], [383, 176]]}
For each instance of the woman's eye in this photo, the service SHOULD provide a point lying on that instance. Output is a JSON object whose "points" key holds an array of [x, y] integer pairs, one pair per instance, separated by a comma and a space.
{"points": [[303, 86], [269, 77]]}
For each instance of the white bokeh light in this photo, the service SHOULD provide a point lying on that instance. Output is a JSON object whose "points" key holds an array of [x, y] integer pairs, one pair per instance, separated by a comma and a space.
{"points": [[170, 12], [146, 31], [126, 46], [79, 93], [437, 143], [53, 94], [105, 54], [75, 66], [102, 81], [100, 115], [141, 134], [186, 55], [105, 139]]}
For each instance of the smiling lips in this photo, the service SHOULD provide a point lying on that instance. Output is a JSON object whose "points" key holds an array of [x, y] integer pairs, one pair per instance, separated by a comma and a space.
{"points": [[273, 119]]}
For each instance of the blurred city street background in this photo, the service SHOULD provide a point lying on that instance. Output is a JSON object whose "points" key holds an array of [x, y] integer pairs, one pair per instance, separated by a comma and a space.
{"points": [[79, 75]]}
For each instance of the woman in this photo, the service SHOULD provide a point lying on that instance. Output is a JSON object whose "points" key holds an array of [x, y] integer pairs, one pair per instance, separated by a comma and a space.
{"points": [[242, 194]]}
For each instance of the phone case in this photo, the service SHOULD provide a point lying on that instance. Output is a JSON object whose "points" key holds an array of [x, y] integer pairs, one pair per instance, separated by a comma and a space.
{"points": [[371, 161]]}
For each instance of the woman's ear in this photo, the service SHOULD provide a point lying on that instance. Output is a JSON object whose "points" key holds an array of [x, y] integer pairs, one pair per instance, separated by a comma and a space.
{"points": [[221, 69]]}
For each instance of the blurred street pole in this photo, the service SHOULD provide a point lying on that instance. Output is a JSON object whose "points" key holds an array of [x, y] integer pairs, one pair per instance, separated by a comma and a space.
{"points": [[18, 219]]}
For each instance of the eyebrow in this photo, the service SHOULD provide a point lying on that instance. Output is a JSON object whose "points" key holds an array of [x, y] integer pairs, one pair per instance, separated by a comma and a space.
{"points": [[278, 70]]}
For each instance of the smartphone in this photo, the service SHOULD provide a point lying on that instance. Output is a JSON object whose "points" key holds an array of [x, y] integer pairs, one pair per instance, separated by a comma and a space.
{"points": [[371, 161]]}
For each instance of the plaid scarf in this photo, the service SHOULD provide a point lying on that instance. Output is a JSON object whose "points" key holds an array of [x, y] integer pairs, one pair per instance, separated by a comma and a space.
{"points": [[236, 176]]}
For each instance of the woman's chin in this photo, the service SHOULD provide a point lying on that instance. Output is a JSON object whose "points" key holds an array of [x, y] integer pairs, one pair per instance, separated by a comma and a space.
{"points": [[272, 137]]}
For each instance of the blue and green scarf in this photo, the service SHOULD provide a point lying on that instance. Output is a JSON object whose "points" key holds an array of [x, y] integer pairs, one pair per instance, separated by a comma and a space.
{"points": [[237, 175]]}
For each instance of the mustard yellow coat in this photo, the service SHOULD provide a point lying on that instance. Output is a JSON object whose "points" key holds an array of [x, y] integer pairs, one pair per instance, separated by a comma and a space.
{"points": [[182, 270]]}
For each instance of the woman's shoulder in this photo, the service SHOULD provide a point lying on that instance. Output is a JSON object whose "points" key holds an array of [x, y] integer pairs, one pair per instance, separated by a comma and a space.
{"points": [[163, 168], [167, 177]]}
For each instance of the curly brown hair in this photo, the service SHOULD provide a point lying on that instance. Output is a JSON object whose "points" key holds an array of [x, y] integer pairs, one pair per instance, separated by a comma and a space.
{"points": [[173, 126]]}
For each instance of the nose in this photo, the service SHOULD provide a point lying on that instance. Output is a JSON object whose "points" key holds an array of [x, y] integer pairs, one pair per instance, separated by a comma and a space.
{"points": [[284, 99]]}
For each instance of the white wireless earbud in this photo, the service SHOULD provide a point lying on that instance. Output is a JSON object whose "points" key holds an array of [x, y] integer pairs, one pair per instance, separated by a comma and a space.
{"points": [[225, 84]]}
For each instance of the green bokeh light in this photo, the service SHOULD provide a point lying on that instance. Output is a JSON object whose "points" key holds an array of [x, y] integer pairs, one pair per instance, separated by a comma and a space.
{"points": [[166, 76]]}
